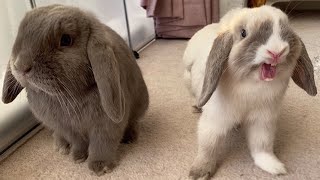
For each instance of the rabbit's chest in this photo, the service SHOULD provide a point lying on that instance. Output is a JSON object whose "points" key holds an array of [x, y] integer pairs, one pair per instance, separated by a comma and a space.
{"points": [[57, 112], [250, 99]]}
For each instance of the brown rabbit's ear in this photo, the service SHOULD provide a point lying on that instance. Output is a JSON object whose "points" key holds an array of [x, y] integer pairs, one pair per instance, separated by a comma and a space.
{"points": [[107, 75], [11, 87], [303, 74], [216, 63]]}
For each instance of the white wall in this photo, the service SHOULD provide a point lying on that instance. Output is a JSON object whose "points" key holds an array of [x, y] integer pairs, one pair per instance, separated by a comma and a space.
{"points": [[11, 13], [14, 117]]}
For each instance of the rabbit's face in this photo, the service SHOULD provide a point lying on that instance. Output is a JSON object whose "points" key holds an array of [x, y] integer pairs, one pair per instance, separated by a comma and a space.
{"points": [[264, 45], [50, 51], [257, 45]]}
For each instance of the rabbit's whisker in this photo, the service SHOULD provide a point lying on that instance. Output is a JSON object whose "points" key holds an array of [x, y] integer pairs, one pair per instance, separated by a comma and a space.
{"points": [[72, 106], [10, 84], [15, 88], [287, 6], [70, 94], [73, 97], [294, 7], [58, 97], [237, 70], [65, 104], [233, 62]]}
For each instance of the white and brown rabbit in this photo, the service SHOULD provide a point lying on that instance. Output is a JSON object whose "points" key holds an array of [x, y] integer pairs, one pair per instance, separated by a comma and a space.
{"points": [[82, 82], [239, 71]]}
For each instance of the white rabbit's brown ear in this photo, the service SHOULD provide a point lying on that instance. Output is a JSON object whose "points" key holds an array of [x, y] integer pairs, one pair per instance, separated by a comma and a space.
{"points": [[106, 71], [216, 63], [303, 74], [11, 88]]}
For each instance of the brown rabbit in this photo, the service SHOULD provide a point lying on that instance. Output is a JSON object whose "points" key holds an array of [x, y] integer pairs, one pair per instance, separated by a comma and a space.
{"points": [[82, 82]]}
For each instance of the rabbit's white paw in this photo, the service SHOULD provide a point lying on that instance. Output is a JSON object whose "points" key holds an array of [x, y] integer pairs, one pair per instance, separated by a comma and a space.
{"points": [[270, 163]]}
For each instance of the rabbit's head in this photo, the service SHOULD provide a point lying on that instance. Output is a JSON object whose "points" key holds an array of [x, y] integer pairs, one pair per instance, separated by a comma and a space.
{"points": [[61, 49], [257, 44]]}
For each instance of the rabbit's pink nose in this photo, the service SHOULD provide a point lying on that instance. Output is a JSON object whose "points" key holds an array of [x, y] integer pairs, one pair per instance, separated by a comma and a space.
{"points": [[276, 55]]}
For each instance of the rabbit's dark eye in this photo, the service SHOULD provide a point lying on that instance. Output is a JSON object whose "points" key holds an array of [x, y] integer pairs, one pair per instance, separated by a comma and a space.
{"points": [[243, 33], [65, 40]]}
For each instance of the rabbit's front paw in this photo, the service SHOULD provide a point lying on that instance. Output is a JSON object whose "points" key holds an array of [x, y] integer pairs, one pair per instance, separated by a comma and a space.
{"points": [[79, 156], [270, 163], [101, 167], [64, 150], [62, 147], [202, 170]]}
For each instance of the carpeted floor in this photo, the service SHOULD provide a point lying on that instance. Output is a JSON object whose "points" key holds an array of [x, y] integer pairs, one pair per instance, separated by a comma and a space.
{"points": [[167, 143]]}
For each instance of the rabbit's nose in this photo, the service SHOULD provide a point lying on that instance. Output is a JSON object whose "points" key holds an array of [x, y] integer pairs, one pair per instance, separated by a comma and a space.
{"points": [[276, 55], [22, 67]]}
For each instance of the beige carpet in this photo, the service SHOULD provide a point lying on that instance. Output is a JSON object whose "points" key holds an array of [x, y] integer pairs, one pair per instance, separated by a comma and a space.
{"points": [[167, 143]]}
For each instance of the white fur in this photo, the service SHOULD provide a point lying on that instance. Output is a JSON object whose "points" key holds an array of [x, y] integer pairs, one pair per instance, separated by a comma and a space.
{"points": [[195, 57], [269, 163], [251, 101]]}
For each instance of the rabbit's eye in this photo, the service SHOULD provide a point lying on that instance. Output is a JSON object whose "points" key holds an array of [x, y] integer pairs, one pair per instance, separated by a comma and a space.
{"points": [[243, 33], [65, 40]]}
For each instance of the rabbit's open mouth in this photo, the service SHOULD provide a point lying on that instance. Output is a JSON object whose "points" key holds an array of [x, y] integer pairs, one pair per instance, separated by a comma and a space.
{"points": [[268, 72]]}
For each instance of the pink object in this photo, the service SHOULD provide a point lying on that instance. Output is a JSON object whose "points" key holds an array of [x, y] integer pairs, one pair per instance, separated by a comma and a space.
{"points": [[181, 18], [268, 72], [275, 55]]}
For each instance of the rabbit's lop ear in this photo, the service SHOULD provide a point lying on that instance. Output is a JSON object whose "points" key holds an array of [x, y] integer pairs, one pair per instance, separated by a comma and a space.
{"points": [[303, 74], [216, 63], [105, 67], [11, 87]]}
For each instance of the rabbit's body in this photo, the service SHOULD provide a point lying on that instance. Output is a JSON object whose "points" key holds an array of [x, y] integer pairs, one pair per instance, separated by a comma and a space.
{"points": [[80, 107], [81, 112], [82, 82], [230, 73]]}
